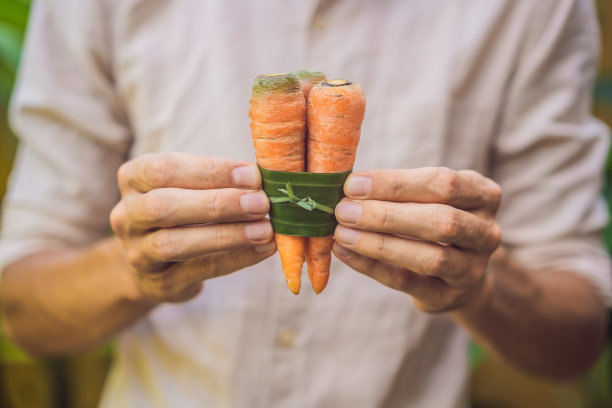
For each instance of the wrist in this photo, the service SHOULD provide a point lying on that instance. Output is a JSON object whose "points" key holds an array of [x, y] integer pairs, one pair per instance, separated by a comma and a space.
{"points": [[483, 298], [127, 280], [480, 299]]}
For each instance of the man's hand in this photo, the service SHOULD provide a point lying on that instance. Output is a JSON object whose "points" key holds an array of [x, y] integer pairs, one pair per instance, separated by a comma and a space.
{"points": [[428, 232], [183, 219]]}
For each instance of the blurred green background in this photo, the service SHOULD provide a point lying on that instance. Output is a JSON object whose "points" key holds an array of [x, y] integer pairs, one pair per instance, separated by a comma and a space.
{"points": [[75, 382]]}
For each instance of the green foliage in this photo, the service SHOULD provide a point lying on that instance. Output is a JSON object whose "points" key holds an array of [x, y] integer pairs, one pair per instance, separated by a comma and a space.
{"points": [[13, 18], [602, 96]]}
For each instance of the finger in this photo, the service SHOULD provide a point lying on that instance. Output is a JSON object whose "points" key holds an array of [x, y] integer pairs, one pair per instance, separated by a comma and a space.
{"points": [[389, 275], [169, 207], [455, 267], [223, 263], [181, 243], [431, 222], [430, 294], [465, 189], [183, 280], [182, 170]]}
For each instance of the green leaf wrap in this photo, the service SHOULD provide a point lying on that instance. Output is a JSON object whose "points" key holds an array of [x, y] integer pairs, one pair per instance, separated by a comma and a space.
{"points": [[289, 218]]}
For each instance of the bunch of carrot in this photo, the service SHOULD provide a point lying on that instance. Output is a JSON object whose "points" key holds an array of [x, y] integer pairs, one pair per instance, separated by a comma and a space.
{"points": [[301, 122]]}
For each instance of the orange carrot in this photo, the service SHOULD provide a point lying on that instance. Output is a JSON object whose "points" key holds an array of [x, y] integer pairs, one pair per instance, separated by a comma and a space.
{"points": [[335, 112], [277, 114]]}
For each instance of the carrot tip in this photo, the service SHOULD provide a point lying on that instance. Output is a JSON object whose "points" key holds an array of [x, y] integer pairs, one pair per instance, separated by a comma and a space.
{"points": [[318, 287], [294, 286], [319, 281]]}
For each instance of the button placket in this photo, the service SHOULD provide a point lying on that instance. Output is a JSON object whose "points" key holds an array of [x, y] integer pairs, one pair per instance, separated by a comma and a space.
{"points": [[287, 351]]}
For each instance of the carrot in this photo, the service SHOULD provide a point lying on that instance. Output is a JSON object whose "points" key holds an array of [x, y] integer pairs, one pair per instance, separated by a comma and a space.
{"points": [[335, 112], [277, 113], [308, 79]]}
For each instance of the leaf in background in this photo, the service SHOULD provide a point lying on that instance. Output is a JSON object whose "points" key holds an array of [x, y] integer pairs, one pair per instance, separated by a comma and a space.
{"points": [[13, 20], [10, 46], [14, 12]]}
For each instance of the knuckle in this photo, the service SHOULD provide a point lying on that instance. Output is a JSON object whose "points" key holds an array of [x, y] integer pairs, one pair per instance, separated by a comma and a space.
{"points": [[477, 270], [495, 236], [398, 186], [450, 226], [162, 245], [221, 236], [380, 246], [135, 257], [495, 192], [401, 281], [123, 173], [439, 262], [216, 204], [158, 170], [153, 208], [447, 184], [387, 217], [117, 219]]}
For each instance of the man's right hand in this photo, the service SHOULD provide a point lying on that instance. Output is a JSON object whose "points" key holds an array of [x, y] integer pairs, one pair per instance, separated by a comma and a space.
{"points": [[183, 219]]}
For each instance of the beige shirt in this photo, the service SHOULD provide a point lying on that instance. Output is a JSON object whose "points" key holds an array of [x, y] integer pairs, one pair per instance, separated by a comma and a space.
{"points": [[500, 86]]}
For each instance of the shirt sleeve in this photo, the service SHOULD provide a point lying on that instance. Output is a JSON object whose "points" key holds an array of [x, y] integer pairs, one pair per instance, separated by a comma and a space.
{"points": [[72, 134], [550, 153]]}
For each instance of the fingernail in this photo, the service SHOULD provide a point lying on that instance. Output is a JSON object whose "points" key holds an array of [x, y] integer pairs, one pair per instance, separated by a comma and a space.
{"points": [[245, 176], [342, 252], [358, 186], [347, 235], [258, 231], [265, 248], [349, 212], [254, 203]]}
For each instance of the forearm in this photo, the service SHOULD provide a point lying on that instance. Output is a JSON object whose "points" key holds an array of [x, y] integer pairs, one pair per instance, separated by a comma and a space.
{"points": [[56, 303], [550, 323]]}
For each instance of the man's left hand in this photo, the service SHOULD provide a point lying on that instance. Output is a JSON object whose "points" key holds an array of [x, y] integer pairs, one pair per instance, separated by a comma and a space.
{"points": [[428, 232]]}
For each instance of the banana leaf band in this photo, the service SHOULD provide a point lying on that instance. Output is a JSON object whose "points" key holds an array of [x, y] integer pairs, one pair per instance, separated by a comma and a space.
{"points": [[302, 204]]}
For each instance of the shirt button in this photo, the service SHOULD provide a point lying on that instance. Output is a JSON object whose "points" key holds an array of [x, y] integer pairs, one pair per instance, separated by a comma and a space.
{"points": [[285, 338], [318, 23]]}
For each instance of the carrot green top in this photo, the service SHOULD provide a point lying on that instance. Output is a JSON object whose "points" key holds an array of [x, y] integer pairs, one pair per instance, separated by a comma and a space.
{"points": [[308, 79], [309, 74], [275, 83]]}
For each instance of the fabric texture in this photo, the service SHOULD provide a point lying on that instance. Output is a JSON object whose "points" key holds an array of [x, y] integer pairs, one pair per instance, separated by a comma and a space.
{"points": [[499, 87]]}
